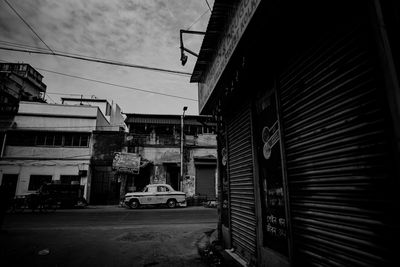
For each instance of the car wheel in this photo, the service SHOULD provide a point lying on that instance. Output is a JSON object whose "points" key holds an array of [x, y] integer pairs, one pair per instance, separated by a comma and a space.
{"points": [[134, 204], [171, 203]]}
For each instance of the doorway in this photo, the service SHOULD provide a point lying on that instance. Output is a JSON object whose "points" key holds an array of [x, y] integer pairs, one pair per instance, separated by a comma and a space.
{"points": [[173, 175], [10, 183]]}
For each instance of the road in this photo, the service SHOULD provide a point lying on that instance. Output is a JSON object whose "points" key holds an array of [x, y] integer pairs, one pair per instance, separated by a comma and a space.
{"points": [[106, 236], [114, 217]]}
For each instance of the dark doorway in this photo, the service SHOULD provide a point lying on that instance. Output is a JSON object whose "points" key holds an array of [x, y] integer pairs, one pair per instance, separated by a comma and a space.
{"points": [[205, 181], [143, 178], [104, 186], [10, 183], [173, 175]]}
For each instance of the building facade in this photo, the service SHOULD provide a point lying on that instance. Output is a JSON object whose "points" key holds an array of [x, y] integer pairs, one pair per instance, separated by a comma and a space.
{"points": [[50, 143], [157, 139], [306, 98], [18, 82]]}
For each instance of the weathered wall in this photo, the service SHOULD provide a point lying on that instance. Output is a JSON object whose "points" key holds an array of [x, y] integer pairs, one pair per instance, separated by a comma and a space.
{"points": [[47, 152], [105, 144], [55, 168]]}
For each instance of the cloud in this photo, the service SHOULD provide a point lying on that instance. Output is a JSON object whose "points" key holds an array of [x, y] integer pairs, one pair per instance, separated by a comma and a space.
{"points": [[143, 32]]}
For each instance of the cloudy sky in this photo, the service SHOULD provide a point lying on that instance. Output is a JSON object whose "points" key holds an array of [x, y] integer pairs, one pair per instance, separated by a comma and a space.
{"points": [[139, 32]]}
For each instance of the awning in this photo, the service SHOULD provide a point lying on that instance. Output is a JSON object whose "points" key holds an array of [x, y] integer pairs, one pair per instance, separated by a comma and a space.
{"points": [[221, 12], [205, 160]]}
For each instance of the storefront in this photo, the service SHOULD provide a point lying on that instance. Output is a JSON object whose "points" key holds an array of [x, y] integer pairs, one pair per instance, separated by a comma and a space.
{"points": [[306, 99]]}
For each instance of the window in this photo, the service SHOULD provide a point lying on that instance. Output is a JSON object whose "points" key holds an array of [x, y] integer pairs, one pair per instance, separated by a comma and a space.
{"points": [[84, 140], [75, 140], [68, 140], [53, 139], [162, 189], [152, 189], [49, 140], [68, 179], [58, 139], [40, 140], [36, 181]]}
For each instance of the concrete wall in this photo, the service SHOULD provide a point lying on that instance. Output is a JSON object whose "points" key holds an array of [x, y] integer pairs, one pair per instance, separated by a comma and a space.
{"points": [[47, 152], [55, 168], [161, 155], [56, 117]]}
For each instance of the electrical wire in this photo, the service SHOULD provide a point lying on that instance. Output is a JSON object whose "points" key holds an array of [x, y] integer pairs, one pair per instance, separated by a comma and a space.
{"points": [[112, 84], [117, 85], [51, 99], [205, 12], [68, 127], [96, 60], [208, 6], [38, 49], [27, 24]]}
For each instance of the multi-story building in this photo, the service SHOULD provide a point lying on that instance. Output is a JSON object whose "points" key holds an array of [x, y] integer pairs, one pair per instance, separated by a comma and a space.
{"points": [[52, 143], [18, 81], [157, 139]]}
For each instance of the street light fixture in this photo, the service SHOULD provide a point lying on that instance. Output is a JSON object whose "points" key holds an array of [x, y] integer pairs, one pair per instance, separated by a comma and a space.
{"points": [[182, 140], [184, 57]]}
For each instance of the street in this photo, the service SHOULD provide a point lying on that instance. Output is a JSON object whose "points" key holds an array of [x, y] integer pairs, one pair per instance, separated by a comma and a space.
{"points": [[106, 236]]}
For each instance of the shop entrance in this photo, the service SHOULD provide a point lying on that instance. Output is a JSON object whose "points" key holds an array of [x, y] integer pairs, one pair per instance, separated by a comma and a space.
{"points": [[173, 175]]}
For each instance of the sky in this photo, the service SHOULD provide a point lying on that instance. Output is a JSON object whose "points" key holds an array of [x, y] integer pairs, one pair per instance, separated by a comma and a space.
{"points": [[138, 32]]}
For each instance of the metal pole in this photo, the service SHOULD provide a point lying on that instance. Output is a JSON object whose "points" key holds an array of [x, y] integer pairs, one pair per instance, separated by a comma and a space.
{"points": [[3, 146], [182, 140]]}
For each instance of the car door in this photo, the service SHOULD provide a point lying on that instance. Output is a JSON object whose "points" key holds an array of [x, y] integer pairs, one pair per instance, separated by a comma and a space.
{"points": [[162, 194], [148, 196]]}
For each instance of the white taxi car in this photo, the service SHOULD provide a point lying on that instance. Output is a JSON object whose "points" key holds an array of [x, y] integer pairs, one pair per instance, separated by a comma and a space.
{"points": [[156, 194]]}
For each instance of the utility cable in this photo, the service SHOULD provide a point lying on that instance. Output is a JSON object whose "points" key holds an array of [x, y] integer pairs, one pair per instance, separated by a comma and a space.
{"points": [[67, 127], [112, 84], [205, 12], [96, 60], [38, 49], [117, 85], [208, 6], [27, 24]]}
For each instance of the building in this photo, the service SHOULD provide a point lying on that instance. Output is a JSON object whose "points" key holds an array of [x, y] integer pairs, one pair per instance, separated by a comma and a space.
{"points": [[18, 81], [105, 143], [52, 143], [306, 98], [157, 139]]}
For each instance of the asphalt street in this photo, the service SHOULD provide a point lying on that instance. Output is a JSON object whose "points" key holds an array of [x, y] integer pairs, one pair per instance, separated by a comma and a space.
{"points": [[106, 236]]}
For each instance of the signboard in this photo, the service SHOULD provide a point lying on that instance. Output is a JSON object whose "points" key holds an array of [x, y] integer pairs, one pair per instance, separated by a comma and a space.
{"points": [[230, 39], [126, 162], [270, 161]]}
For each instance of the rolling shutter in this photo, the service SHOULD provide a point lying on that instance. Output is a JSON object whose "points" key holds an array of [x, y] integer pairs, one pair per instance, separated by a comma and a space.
{"points": [[241, 184], [205, 181], [335, 139]]}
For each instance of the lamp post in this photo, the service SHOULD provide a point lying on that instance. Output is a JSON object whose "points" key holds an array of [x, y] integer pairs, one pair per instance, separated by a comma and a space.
{"points": [[182, 140]]}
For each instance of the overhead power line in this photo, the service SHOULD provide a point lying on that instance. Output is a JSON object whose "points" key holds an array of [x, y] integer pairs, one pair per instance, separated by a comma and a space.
{"points": [[112, 84], [208, 6], [96, 60], [39, 49], [191, 25], [117, 85], [29, 26]]}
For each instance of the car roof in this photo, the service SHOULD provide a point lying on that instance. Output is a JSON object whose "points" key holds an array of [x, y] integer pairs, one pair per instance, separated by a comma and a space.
{"points": [[159, 185]]}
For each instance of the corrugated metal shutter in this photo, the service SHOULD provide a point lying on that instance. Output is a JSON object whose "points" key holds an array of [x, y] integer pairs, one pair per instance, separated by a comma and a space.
{"points": [[205, 181], [335, 137], [240, 172]]}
